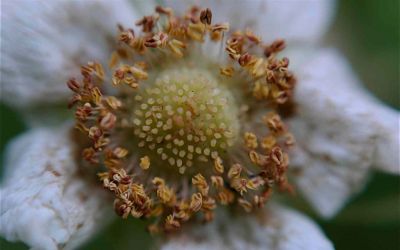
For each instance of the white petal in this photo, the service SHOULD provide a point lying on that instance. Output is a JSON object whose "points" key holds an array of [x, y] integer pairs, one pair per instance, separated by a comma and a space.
{"points": [[45, 42], [295, 21], [388, 151], [278, 228], [341, 132], [45, 202]]}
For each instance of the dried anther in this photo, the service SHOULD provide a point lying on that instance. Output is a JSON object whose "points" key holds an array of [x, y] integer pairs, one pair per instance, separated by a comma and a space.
{"points": [[274, 47], [205, 16]]}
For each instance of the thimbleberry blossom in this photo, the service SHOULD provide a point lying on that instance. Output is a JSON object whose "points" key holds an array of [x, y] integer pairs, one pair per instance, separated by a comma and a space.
{"points": [[182, 115]]}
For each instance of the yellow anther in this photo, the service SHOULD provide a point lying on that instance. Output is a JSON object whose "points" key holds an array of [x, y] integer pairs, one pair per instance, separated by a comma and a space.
{"points": [[145, 162]]}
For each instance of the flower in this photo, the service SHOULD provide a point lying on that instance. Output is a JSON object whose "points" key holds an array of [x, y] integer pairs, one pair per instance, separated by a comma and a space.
{"points": [[338, 136]]}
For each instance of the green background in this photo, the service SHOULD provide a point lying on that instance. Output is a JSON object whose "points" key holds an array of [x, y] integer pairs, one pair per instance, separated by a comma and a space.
{"points": [[368, 34]]}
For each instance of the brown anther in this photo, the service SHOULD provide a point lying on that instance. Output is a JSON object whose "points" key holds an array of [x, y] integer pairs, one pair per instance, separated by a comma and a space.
{"points": [[272, 64], [239, 184], [135, 213], [208, 203], [192, 14], [255, 182], [83, 112], [95, 133], [127, 36], [245, 59], [171, 223], [200, 182], [252, 37], [92, 68], [74, 99], [148, 22], [196, 202], [220, 27], [86, 70], [151, 42], [234, 171], [121, 208], [254, 157], [182, 215], [113, 102], [73, 85], [108, 121], [271, 77], [217, 181], [89, 155], [236, 43], [164, 10], [119, 74], [95, 95], [219, 168], [283, 63], [274, 123], [281, 97], [232, 53], [277, 155], [156, 41], [206, 16], [275, 47]]}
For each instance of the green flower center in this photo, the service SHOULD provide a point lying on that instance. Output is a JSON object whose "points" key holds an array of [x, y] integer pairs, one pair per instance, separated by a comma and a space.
{"points": [[185, 118]]}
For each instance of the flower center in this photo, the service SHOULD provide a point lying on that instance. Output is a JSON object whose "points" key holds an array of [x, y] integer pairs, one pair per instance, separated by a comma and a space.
{"points": [[185, 118]]}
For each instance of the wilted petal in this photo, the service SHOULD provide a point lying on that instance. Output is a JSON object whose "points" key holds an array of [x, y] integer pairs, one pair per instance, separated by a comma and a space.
{"points": [[278, 228], [45, 42], [341, 132], [44, 201], [295, 21]]}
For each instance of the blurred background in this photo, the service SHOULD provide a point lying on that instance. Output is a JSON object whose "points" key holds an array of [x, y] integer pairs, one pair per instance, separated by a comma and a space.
{"points": [[367, 32]]}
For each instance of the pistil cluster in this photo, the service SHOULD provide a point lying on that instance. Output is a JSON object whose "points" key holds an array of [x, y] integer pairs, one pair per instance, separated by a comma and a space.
{"points": [[178, 132]]}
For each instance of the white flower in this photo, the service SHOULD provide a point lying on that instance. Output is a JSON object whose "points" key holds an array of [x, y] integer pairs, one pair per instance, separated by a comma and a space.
{"points": [[46, 201]]}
